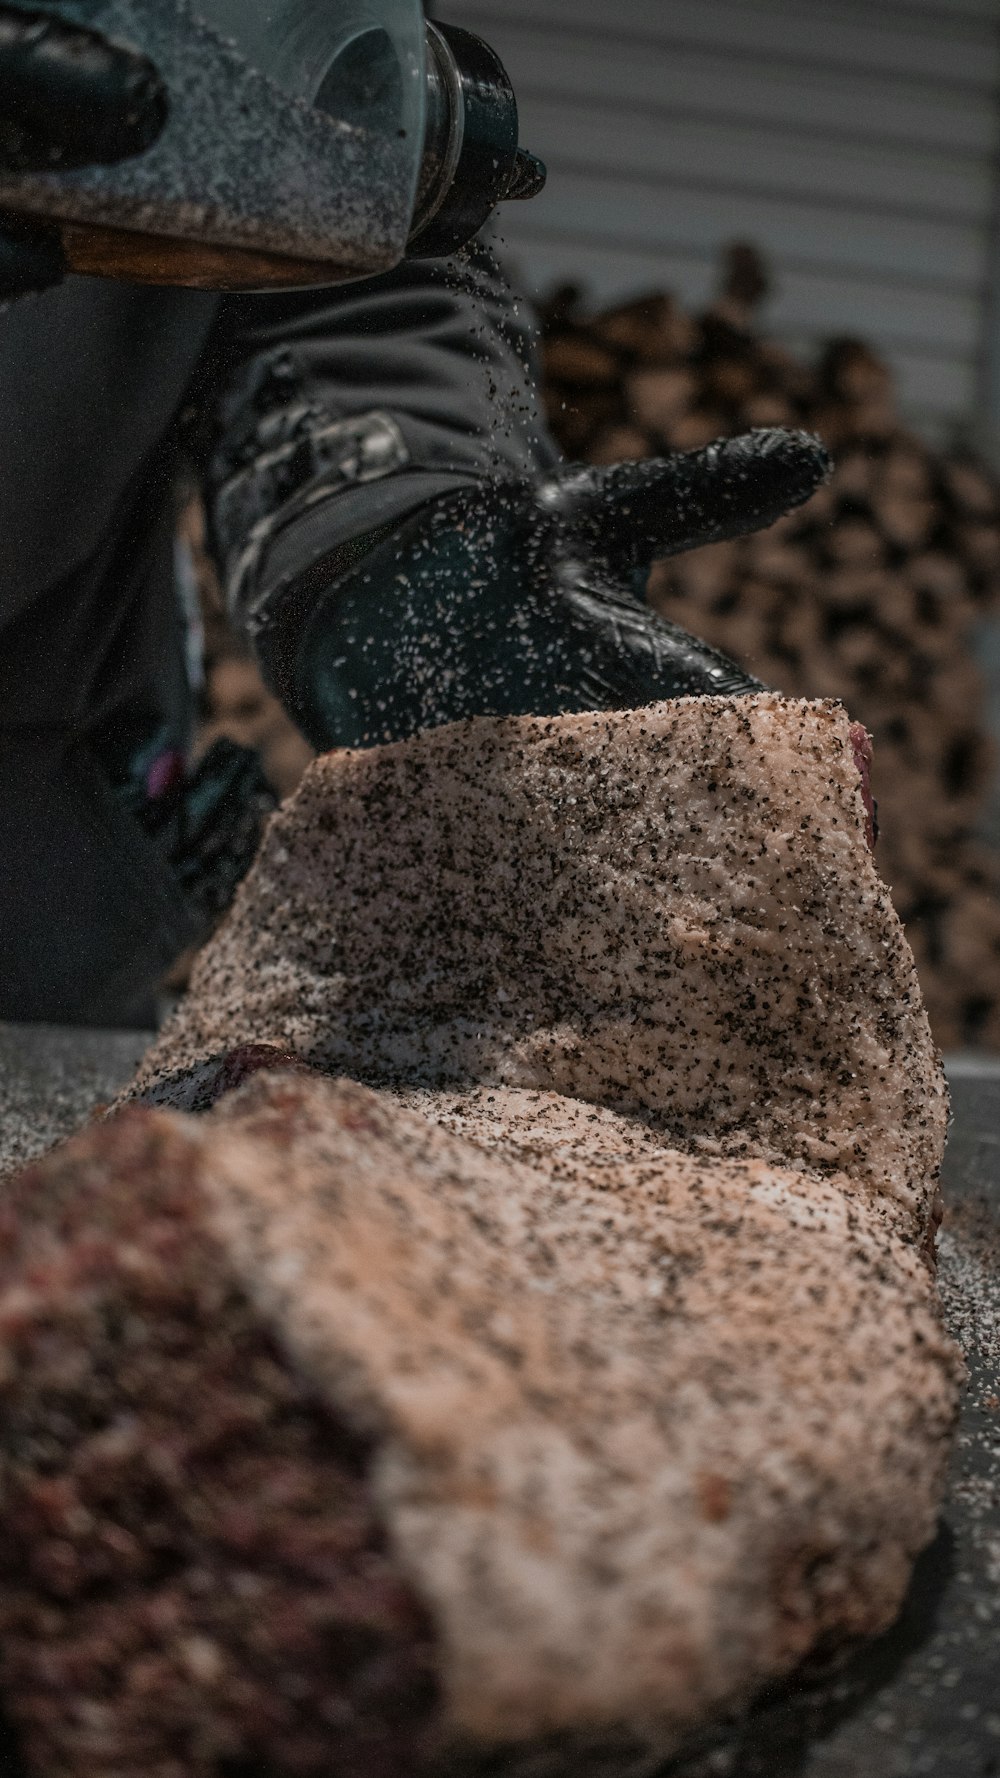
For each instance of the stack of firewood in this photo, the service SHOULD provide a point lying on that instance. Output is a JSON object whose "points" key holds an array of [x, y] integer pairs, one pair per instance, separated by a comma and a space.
{"points": [[870, 594], [235, 701]]}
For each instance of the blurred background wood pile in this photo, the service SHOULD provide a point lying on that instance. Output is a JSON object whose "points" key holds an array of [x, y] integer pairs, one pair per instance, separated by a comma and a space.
{"points": [[871, 594], [235, 701]]}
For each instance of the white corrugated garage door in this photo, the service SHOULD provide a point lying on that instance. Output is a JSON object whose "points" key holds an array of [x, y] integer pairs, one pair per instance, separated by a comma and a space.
{"points": [[855, 143]]}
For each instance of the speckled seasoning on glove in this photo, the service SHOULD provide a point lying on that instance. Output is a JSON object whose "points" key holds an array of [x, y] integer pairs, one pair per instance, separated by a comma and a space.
{"points": [[591, 1329]]}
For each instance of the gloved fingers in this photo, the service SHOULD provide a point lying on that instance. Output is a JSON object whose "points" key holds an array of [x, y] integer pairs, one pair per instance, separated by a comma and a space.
{"points": [[68, 97], [30, 259], [636, 657], [633, 513]]}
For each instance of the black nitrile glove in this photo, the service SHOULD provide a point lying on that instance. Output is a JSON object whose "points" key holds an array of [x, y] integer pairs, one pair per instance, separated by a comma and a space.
{"points": [[508, 598], [207, 823], [68, 98]]}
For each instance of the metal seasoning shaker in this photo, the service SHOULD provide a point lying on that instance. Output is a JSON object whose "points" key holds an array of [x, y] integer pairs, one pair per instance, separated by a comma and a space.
{"points": [[308, 142]]}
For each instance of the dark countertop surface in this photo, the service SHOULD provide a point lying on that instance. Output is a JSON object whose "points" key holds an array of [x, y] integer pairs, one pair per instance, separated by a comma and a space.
{"points": [[924, 1699]]}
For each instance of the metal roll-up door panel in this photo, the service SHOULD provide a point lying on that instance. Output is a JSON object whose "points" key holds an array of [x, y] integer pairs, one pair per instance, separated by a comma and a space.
{"points": [[855, 145]]}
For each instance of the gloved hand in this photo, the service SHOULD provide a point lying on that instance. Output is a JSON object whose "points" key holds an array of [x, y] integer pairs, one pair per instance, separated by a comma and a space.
{"points": [[510, 598], [68, 98], [206, 819], [208, 824]]}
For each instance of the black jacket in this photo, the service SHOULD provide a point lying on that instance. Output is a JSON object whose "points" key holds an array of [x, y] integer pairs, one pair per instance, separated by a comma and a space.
{"points": [[96, 383]]}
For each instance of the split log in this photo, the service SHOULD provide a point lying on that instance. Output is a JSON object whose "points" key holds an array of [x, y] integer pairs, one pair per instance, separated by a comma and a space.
{"points": [[652, 330], [657, 399]]}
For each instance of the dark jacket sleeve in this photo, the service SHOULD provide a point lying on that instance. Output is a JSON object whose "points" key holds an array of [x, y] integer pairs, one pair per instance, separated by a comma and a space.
{"points": [[328, 413], [338, 413], [92, 377]]}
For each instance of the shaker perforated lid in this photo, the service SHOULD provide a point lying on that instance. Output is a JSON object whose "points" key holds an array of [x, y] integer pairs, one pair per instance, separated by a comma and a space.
{"points": [[472, 161]]}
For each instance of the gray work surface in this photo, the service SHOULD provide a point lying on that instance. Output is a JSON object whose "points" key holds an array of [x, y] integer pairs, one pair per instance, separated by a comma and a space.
{"points": [[51, 1080], [923, 1699]]}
